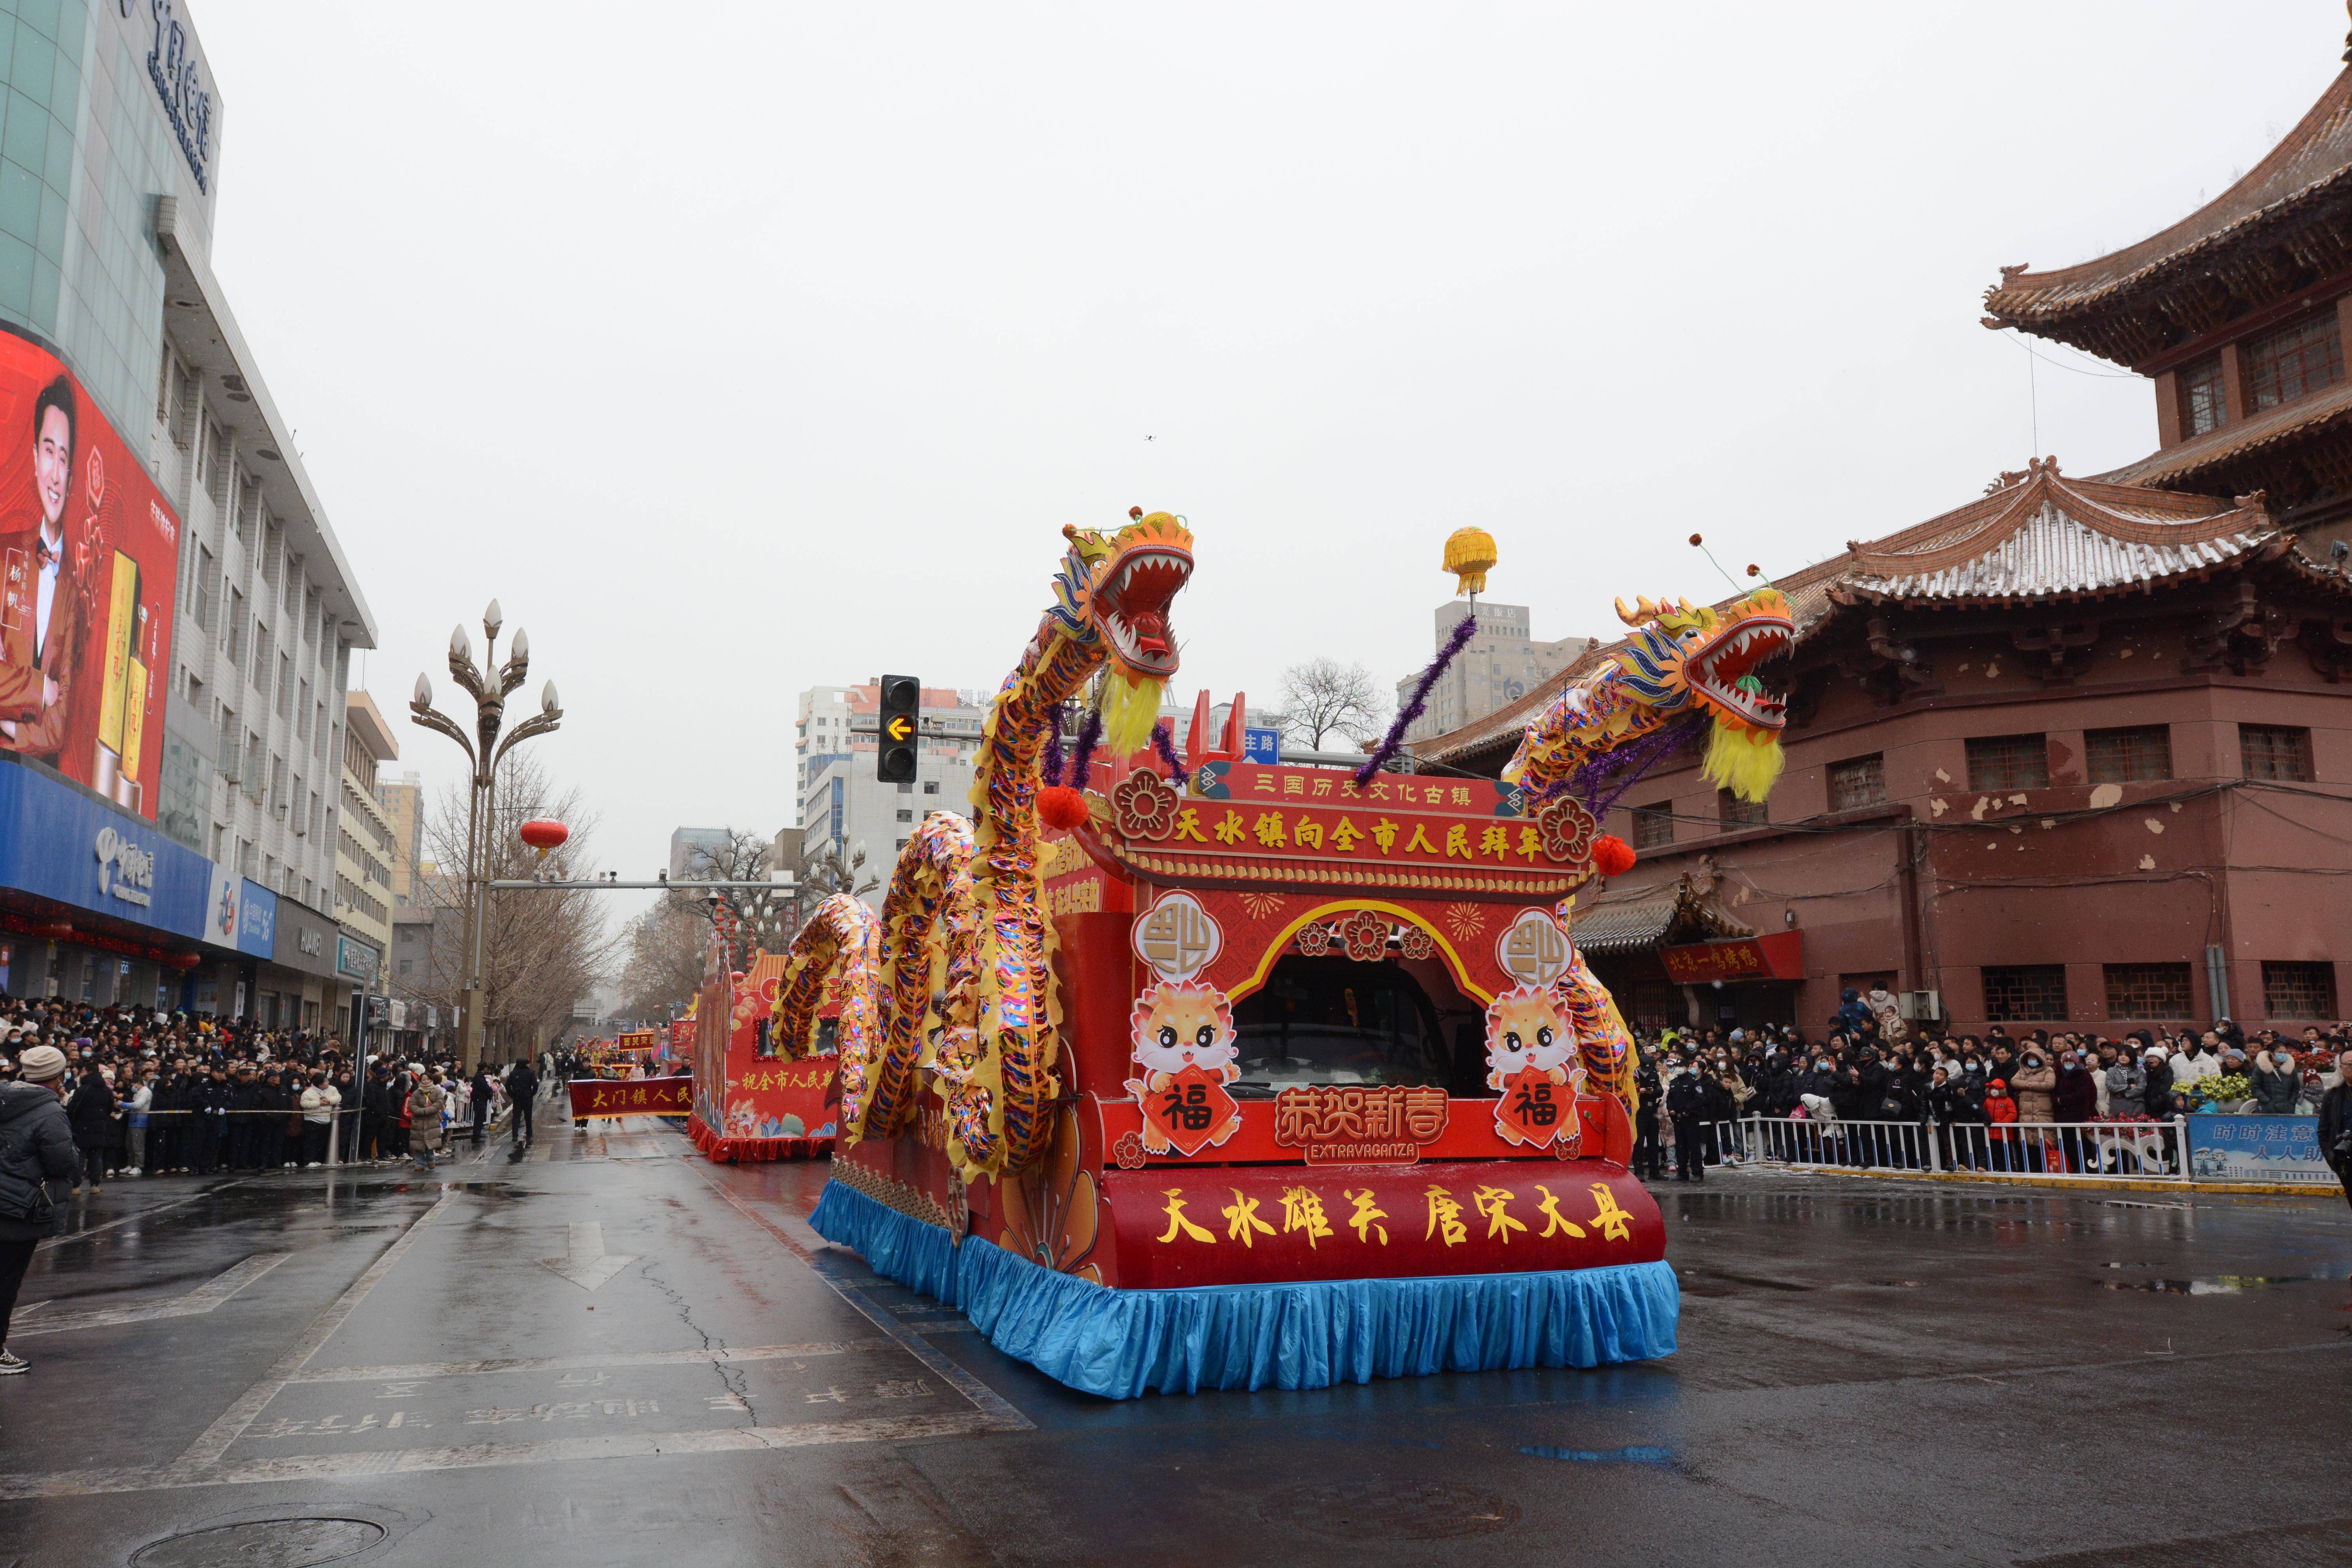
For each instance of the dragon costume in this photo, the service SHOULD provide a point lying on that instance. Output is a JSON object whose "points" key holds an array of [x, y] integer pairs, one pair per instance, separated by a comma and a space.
{"points": [[1683, 667], [951, 981]]}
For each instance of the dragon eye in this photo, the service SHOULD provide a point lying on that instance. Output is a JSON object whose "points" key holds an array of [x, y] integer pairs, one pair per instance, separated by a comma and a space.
{"points": [[1543, 1035], [1207, 1035], [1166, 1035], [1511, 1040]]}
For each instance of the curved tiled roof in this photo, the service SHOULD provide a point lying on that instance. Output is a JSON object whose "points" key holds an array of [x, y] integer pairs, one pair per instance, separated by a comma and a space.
{"points": [[1646, 919], [2041, 537], [2308, 165]]}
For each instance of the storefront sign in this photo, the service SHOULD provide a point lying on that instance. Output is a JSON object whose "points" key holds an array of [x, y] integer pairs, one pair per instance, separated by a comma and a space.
{"points": [[256, 916], [1779, 955], [619, 1097], [356, 959], [2277, 1149], [63, 844]]}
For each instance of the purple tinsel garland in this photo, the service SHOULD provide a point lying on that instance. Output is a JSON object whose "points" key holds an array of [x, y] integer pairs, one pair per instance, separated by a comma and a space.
{"points": [[1609, 775], [1464, 630], [1163, 740], [1089, 733], [1053, 760]]}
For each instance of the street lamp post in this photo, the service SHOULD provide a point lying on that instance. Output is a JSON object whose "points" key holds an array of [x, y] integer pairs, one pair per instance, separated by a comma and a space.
{"points": [[484, 751]]}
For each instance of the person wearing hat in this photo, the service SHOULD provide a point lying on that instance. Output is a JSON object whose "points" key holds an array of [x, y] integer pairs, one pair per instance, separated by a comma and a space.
{"points": [[37, 1151]]}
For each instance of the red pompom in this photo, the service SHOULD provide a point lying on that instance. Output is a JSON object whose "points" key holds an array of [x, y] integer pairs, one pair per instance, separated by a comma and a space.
{"points": [[1062, 808], [1612, 856]]}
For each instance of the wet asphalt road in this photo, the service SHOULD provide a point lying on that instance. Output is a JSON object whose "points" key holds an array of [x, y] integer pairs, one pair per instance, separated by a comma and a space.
{"points": [[616, 1353]]}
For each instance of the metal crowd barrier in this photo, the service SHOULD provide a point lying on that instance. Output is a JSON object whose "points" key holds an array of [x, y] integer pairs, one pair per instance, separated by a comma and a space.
{"points": [[2016, 1150]]}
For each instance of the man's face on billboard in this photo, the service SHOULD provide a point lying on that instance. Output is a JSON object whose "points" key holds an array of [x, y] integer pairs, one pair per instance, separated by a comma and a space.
{"points": [[53, 462]]}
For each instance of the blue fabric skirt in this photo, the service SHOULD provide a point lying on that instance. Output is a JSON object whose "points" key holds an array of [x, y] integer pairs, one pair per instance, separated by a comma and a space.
{"points": [[1309, 1335]]}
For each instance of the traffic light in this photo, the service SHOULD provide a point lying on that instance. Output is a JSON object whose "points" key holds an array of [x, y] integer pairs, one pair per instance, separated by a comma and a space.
{"points": [[902, 701]]}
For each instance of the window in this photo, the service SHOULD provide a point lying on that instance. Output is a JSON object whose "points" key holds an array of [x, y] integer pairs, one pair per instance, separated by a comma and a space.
{"points": [[1858, 782], [2025, 991], [1332, 1020], [1735, 813], [2279, 753], [2008, 762], [1653, 826], [202, 608], [906, 789], [406, 964], [2299, 990], [2204, 404], [904, 815], [2295, 360], [2147, 990], [236, 644], [930, 787], [2131, 756]]}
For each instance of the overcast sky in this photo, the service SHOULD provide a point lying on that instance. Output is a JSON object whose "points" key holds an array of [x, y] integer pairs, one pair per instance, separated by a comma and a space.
{"points": [[740, 347]]}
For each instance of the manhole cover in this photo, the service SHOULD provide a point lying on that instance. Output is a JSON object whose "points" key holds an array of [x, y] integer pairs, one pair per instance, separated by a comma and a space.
{"points": [[265, 1543], [1389, 1510]]}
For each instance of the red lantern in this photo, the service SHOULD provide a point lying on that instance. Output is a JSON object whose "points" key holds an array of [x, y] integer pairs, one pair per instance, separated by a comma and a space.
{"points": [[185, 961], [544, 833]]}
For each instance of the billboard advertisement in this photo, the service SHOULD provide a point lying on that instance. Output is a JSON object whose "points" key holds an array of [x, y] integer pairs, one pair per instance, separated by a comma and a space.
{"points": [[89, 562], [2274, 1149]]}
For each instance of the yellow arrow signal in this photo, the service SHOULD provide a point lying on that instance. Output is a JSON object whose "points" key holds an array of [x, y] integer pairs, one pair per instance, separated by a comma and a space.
{"points": [[901, 727]]}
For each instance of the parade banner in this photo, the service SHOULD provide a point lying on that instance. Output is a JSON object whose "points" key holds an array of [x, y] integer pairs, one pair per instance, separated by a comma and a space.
{"points": [[625, 1097], [89, 568], [2276, 1149]]}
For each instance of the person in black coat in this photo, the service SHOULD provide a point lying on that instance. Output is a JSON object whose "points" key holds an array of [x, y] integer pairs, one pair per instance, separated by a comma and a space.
{"points": [[1687, 1107], [2336, 1124], [90, 1112], [37, 1154], [208, 1104], [522, 1088], [482, 1093]]}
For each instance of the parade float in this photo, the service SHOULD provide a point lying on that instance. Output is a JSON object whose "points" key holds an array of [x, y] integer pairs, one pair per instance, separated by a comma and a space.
{"points": [[750, 1102], [1184, 1071]]}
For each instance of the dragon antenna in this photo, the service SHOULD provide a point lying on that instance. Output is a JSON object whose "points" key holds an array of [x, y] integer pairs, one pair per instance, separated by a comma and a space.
{"points": [[1698, 542]]}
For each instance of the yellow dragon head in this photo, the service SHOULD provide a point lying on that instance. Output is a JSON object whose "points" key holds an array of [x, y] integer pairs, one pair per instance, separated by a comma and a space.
{"points": [[1115, 589], [1682, 654]]}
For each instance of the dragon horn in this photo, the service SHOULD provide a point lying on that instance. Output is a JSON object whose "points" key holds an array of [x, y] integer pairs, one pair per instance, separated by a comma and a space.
{"points": [[1643, 610]]}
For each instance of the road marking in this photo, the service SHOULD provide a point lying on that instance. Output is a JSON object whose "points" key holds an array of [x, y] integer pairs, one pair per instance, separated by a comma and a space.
{"points": [[399, 1461], [202, 1299], [208, 1447], [1001, 1414], [584, 1261], [580, 1362]]}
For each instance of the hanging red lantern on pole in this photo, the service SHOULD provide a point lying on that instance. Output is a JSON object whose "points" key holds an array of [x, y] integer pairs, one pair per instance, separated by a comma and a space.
{"points": [[544, 833]]}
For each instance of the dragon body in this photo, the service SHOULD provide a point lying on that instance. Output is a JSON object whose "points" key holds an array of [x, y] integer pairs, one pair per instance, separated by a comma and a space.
{"points": [[1682, 665], [948, 989]]}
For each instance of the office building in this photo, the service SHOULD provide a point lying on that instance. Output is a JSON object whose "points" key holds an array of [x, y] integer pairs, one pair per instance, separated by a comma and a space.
{"points": [[844, 807], [1500, 664]]}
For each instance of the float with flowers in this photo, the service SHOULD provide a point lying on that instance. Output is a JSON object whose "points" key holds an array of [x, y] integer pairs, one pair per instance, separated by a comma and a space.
{"points": [[1173, 1070]]}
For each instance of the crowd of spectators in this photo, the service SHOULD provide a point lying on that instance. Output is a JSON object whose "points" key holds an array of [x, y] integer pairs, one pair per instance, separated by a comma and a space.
{"points": [[154, 1093], [1974, 1095]]}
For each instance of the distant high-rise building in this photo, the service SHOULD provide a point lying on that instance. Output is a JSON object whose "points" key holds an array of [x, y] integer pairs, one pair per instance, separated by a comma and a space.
{"points": [[1500, 664], [684, 842], [403, 805]]}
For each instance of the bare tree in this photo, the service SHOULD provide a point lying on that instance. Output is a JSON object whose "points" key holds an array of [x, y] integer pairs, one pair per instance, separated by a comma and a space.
{"points": [[664, 951], [1323, 698], [541, 951], [749, 920]]}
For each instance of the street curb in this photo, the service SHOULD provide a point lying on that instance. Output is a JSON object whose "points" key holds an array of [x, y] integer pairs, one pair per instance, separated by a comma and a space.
{"points": [[2092, 1184]]}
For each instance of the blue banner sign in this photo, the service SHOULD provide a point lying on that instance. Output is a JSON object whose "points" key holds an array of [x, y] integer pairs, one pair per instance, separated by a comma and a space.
{"points": [[2276, 1149], [66, 844]]}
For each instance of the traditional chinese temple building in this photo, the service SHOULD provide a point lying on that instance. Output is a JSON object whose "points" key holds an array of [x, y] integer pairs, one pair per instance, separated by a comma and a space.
{"points": [[2077, 752]]}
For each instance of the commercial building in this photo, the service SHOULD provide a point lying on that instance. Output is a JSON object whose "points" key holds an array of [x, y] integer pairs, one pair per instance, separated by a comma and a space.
{"points": [[844, 807], [1500, 663], [365, 850], [690, 850], [2076, 753], [176, 615]]}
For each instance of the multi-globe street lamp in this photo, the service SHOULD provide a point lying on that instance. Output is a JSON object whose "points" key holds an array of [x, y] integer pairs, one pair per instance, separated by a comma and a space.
{"points": [[484, 751]]}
